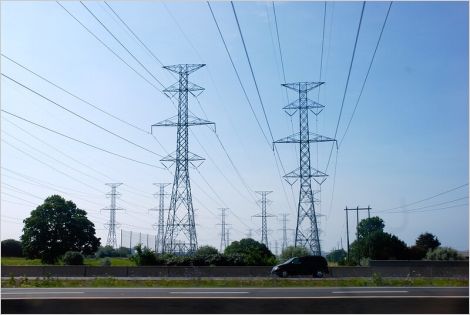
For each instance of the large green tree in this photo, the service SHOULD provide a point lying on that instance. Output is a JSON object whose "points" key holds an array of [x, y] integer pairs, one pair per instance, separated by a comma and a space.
{"points": [[55, 227], [251, 252], [369, 225], [378, 245], [427, 241]]}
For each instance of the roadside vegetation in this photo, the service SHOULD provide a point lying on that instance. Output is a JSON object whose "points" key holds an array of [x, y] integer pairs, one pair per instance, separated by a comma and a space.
{"points": [[24, 282]]}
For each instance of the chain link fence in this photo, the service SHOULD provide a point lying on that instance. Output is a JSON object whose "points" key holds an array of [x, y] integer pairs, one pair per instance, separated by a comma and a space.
{"points": [[130, 239]]}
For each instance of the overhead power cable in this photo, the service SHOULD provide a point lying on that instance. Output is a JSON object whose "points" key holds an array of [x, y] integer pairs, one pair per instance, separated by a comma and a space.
{"points": [[252, 72], [367, 74], [110, 49], [123, 46], [80, 141], [428, 210], [347, 80], [75, 96], [80, 116], [238, 75], [425, 199]]}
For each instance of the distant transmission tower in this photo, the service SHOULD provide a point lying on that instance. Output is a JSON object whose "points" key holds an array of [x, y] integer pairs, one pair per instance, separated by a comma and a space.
{"points": [[306, 233], [180, 233], [160, 224], [224, 231], [248, 235], [264, 215], [284, 230], [112, 224]]}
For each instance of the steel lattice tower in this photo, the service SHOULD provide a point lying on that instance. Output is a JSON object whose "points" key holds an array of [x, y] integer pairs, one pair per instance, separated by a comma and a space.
{"points": [[224, 231], [264, 215], [112, 224], [284, 230], [306, 233], [160, 224], [180, 233]]}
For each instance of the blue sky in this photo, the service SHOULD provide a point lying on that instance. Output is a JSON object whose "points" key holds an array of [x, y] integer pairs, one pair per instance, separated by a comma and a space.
{"points": [[408, 139]]}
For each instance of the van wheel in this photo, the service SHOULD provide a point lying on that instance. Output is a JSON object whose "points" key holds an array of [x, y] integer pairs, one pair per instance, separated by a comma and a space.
{"points": [[319, 274], [285, 274]]}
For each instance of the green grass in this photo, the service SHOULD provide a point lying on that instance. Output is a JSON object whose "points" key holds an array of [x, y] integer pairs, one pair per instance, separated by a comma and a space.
{"points": [[21, 261], [232, 283]]}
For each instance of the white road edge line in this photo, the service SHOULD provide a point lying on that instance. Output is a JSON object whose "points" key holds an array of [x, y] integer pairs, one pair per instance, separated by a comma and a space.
{"points": [[365, 291], [52, 292], [209, 292]]}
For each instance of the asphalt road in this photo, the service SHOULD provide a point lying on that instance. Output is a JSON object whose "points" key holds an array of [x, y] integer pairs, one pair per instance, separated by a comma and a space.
{"points": [[236, 300]]}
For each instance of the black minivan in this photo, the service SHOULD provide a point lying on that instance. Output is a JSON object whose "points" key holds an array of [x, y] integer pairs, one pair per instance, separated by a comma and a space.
{"points": [[315, 266]]}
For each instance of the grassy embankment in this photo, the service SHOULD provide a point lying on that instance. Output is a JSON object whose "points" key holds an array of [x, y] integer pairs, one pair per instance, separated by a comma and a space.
{"points": [[232, 283], [20, 261]]}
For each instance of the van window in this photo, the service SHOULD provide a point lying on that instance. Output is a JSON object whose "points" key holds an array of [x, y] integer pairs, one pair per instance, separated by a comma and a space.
{"points": [[296, 261]]}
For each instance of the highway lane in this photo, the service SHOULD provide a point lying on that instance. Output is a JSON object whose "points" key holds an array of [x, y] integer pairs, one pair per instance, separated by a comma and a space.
{"points": [[236, 300], [301, 292]]}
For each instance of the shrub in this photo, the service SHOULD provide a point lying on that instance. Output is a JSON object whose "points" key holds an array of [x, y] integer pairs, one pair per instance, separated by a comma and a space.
{"points": [[416, 252], [109, 251], [72, 258], [105, 262], [12, 248], [253, 252], [144, 257], [205, 251], [443, 253], [337, 256]]}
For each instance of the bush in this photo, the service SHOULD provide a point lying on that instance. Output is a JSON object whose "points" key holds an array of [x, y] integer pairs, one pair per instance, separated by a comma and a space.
{"points": [[12, 248], [205, 251], [443, 253], [73, 258], [337, 256], [292, 251], [416, 252], [253, 252], [144, 257], [105, 262]]}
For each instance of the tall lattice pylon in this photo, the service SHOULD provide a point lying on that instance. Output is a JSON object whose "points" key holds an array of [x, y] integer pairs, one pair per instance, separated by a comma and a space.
{"points": [[306, 233], [264, 215], [160, 224], [224, 231], [180, 233], [112, 223], [284, 230]]}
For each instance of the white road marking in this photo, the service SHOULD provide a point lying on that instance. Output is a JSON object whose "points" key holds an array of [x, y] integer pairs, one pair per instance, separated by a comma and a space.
{"points": [[364, 291], [51, 292], [209, 292]]}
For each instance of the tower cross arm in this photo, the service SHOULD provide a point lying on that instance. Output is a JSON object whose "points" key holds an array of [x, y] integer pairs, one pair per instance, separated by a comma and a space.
{"points": [[312, 137], [302, 86]]}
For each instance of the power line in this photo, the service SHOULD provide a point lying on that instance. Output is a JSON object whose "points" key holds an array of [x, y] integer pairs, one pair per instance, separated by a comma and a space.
{"points": [[347, 80], [134, 34], [252, 72], [367, 74], [109, 48], [429, 210], [80, 116], [425, 199], [75, 96], [120, 43], [238, 76], [80, 141]]}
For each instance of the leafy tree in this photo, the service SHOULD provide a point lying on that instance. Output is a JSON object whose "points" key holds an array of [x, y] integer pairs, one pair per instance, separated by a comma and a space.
{"points": [[427, 241], [293, 251], [253, 252], [55, 227], [370, 225], [109, 251], [378, 245], [12, 248], [73, 258], [338, 255], [444, 253]]}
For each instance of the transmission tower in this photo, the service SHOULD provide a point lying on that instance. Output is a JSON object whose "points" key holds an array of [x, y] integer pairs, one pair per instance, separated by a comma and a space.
{"points": [[306, 233], [180, 233], [264, 215], [248, 235], [112, 224], [224, 231], [228, 236], [160, 224], [284, 230]]}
